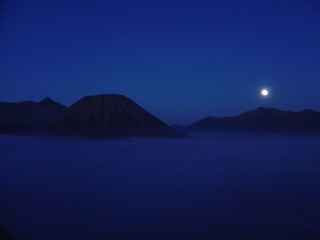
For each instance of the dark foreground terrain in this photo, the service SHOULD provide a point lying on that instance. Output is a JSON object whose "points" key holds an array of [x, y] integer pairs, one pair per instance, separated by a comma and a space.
{"points": [[207, 187]]}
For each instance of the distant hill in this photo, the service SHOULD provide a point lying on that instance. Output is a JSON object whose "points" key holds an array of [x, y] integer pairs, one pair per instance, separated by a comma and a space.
{"points": [[29, 117], [111, 115], [262, 120]]}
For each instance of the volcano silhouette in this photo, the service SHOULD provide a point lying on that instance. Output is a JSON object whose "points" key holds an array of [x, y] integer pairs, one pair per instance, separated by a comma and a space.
{"points": [[111, 115]]}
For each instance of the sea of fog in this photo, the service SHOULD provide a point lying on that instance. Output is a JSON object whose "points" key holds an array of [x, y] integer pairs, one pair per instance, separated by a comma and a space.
{"points": [[205, 187]]}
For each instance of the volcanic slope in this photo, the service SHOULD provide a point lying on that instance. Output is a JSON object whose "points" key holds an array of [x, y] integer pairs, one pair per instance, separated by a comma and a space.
{"points": [[111, 115]]}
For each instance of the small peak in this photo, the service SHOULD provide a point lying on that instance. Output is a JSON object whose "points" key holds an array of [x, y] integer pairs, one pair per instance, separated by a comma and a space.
{"points": [[46, 100], [266, 110]]}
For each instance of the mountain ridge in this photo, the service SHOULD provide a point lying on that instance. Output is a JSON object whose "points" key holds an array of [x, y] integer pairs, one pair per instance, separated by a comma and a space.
{"points": [[98, 116], [29, 117], [262, 120], [115, 115]]}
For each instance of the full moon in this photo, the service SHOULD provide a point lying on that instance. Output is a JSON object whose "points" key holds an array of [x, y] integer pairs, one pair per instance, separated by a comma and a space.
{"points": [[264, 92]]}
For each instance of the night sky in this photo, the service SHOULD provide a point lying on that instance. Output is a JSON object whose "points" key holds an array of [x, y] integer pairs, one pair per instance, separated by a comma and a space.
{"points": [[180, 60]]}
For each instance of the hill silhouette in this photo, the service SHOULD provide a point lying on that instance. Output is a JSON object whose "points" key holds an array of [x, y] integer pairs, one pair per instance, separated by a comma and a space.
{"points": [[263, 120], [29, 117], [114, 115]]}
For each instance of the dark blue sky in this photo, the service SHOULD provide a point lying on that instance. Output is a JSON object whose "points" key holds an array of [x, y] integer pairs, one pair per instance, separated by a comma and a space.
{"points": [[180, 60]]}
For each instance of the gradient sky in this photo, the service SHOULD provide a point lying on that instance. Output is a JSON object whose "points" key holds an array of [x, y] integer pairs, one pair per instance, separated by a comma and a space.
{"points": [[180, 60]]}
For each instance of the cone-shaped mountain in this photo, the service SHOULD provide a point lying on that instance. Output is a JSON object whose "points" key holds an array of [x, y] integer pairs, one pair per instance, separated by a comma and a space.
{"points": [[111, 115]]}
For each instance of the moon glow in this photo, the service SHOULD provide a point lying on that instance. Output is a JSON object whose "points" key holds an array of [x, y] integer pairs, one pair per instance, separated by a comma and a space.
{"points": [[264, 92]]}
